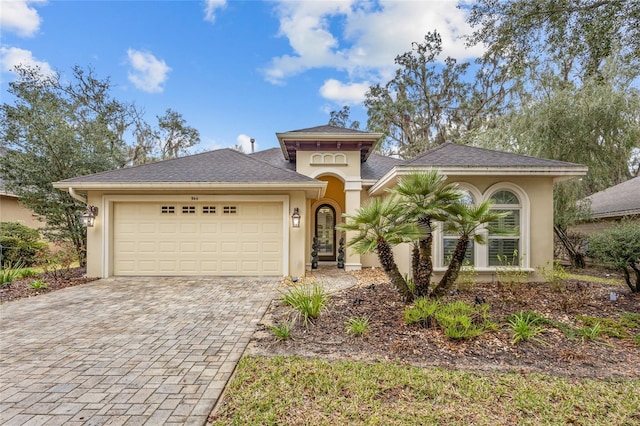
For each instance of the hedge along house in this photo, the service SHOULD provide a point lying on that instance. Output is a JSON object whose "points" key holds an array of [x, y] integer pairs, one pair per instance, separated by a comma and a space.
{"points": [[227, 213]]}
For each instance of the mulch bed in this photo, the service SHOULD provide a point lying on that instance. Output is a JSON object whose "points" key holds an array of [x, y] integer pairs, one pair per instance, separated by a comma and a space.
{"points": [[389, 338], [21, 288]]}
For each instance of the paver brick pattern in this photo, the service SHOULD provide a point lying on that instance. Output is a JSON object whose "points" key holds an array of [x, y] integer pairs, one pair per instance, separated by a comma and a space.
{"points": [[126, 351]]}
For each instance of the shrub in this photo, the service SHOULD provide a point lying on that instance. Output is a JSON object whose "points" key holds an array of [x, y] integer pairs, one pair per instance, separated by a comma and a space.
{"points": [[8, 275], [619, 247], [309, 301], [20, 244], [467, 277], [283, 330], [422, 312], [27, 273], [458, 319], [555, 276], [38, 285], [357, 326], [526, 326]]}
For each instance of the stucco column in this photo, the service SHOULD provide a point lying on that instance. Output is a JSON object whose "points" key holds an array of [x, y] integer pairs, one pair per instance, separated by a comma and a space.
{"points": [[352, 189]]}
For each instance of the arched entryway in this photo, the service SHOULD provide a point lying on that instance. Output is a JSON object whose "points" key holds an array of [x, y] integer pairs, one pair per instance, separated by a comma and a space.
{"points": [[325, 232]]}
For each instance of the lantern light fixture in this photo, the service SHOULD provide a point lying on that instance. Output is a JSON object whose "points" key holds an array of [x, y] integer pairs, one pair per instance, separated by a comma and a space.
{"points": [[89, 216], [295, 218]]}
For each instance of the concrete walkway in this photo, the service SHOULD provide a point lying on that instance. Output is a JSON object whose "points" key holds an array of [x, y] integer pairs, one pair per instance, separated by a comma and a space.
{"points": [[126, 350]]}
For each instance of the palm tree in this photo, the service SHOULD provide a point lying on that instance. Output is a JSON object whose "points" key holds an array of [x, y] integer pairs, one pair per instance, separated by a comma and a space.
{"points": [[425, 196], [464, 219], [380, 225]]}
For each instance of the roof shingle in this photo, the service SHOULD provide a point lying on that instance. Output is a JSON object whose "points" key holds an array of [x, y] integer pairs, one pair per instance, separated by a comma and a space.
{"points": [[222, 165], [457, 155], [619, 200]]}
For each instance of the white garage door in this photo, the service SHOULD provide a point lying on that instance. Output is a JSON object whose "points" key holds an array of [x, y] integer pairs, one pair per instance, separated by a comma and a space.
{"points": [[217, 238]]}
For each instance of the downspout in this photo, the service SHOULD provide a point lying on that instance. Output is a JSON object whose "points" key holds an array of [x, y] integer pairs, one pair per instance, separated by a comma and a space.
{"points": [[75, 195]]}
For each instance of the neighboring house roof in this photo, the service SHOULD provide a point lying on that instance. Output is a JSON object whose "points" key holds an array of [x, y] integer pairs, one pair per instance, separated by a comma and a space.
{"points": [[617, 201], [4, 192]]}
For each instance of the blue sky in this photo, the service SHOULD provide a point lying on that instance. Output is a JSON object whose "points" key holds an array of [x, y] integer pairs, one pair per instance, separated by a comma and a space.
{"points": [[235, 70]]}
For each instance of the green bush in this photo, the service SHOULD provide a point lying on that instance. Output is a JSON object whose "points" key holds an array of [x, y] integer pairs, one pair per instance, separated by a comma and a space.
{"points": [[526, 326], [357, 326], [309, 301], [458, 319], [20, 244], [619, 247]]}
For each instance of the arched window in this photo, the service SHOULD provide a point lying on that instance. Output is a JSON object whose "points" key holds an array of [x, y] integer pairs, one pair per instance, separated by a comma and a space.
{"points": [[504, 234], [450, 239]]}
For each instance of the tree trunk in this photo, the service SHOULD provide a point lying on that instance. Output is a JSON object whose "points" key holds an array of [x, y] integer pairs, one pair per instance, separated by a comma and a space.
{"points": [[576, 258], [453, 270], [385, 255], [424, 270], [635, 288]]}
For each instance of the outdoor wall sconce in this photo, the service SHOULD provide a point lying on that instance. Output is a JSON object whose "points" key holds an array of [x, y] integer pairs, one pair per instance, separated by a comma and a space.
{"points": [[295, 218], [89, 216]]}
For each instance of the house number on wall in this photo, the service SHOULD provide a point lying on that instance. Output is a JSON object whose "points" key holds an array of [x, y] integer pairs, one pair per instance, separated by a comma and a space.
{"points": [[194, 198]]}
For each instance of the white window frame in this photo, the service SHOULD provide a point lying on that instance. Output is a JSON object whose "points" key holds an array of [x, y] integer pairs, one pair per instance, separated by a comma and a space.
{"points": [[481, 251]]}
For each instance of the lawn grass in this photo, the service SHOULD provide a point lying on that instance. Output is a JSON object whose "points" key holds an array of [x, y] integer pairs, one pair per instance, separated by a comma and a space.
{"points": [[301, 391], [598, 280]]}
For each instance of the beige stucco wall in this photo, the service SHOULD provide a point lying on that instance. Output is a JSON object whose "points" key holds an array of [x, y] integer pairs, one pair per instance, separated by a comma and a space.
{"points": [[539, 191], [12, 211]]}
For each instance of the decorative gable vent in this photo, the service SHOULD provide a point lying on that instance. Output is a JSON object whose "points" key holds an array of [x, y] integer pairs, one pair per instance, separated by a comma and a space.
{"points": [[336, 158]]}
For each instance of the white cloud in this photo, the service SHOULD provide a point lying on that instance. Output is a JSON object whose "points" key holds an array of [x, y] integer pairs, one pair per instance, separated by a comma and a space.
{"points": [[362, 38], [19, 17], [344, 94], [149, 73], [245, 142], [211, 7], [13, 56]]}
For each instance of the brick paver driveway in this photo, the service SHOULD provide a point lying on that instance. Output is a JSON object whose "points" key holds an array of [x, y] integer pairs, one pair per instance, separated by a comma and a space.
{"points": [[126, 350]]}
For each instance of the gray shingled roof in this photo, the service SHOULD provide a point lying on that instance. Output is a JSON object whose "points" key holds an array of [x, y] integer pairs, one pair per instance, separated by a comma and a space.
{"points": [[327, 129], [377, 166], [619, 200], [456, 155], [274, 157], [223, 165]]}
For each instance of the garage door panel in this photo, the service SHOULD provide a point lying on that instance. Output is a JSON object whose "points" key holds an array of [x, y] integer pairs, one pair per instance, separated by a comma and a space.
{"points": [[207, 239]]}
